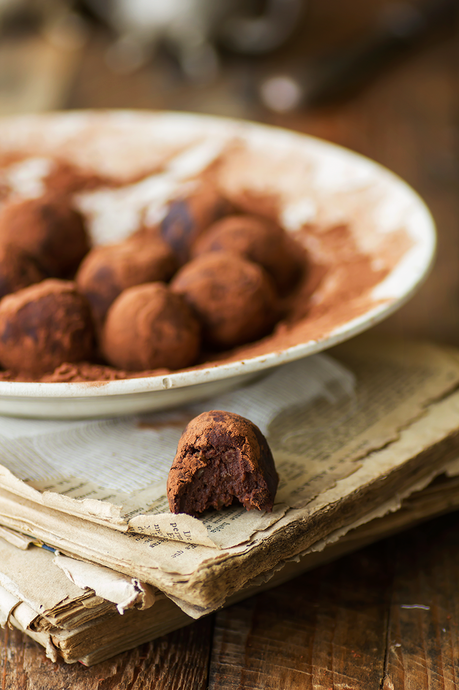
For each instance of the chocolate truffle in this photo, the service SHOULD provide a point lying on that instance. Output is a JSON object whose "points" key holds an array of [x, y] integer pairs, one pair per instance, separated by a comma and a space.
{"points": [[233, 298], [221, 457], [17, 270], [149, 327], [43, 326], [189, 215], [108, 270], [257, 239], [48, 229]]}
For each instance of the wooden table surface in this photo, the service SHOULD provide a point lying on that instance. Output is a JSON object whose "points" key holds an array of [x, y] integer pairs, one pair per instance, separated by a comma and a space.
{"points": [[386, 617]]}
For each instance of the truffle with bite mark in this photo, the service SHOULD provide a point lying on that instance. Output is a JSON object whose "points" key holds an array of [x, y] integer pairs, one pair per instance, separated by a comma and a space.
{"points": [[233, 298], [259, 240], [150, 327], [108, 270], [221, 457], [188, 215], [17, 270], [48, 229], [43, 326]]}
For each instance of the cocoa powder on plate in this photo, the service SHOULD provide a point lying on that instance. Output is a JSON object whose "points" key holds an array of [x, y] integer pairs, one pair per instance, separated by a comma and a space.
{"points": [[336, 287]]}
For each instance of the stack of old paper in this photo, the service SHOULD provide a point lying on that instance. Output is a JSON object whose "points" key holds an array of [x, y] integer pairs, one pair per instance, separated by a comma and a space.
{"points": [[358, 438]]}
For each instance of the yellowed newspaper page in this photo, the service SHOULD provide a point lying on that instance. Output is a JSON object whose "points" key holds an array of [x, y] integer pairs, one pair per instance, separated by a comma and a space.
{"points": [[321, 416], [321, 503]]}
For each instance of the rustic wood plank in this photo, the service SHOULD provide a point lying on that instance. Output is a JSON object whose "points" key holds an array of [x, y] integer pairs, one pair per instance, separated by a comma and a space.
{"points": [[423, 634], [385, 618], [178, 660], [323, 630]]}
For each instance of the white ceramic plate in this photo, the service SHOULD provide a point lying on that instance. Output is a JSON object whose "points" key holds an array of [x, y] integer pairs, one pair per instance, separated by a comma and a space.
{"points": [[313, 181]]}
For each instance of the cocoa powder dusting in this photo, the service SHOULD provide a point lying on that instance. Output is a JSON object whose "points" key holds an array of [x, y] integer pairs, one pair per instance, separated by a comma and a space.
{"points": [[336, 284], [65, 178]]}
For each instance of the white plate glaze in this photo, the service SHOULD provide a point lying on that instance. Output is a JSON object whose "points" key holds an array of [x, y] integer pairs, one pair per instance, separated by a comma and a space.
{"points": [[315, 180]]}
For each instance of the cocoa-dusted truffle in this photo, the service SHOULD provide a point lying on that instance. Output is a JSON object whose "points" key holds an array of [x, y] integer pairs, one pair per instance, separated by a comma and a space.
{"points": [[257, 239], [108, 270], [233, 298], [48, 229], [221, 457], [149, 327], [188, 215], [43, 326], [17, 270]]}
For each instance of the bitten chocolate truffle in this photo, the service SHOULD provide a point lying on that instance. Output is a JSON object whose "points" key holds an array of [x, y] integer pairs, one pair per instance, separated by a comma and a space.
{"points": [[233, 298], [149, 327], [48, 229], [256, 239], [189, 215], [43, 326], [221, 457], [108, 270], [17, 270]]}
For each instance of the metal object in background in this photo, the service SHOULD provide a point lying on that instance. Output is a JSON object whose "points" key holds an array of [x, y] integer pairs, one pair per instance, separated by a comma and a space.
{"points": [[192, 28], [399, 27], [257, 35]]}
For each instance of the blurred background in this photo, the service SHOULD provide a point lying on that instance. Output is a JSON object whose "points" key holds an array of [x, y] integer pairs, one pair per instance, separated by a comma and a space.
{"points": [[377, 76]]}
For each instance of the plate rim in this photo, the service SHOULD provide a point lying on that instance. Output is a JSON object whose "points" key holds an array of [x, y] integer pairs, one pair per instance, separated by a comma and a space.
{"points": [[182, 379]]}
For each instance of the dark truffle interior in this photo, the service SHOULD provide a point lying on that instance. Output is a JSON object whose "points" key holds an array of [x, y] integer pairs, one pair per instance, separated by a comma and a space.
{"points": [[218, 481], [221, 458]]}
